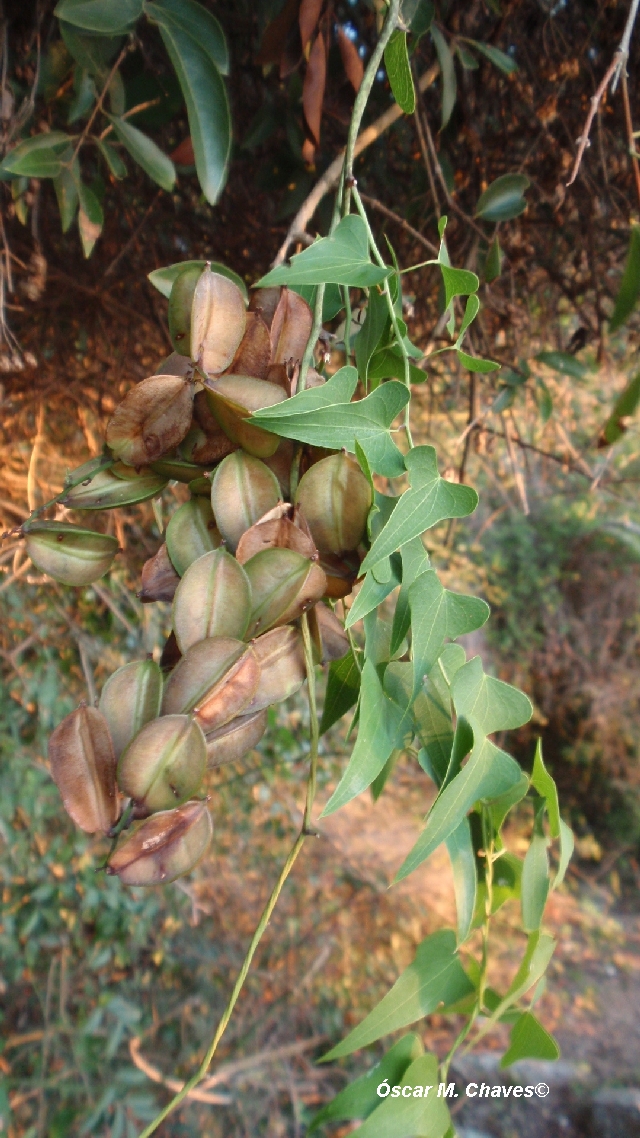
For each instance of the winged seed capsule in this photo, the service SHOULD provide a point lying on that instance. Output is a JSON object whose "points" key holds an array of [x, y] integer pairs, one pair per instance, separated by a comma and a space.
{"points": [[69, 554], [109, 489], [212, 599], [191, 532], [232, 741], [163, 847], [335, 498], [130, 698], [218, 321], [151, 420], [243, 489], [233, 398], [83, 766], [284, 584], [164, 765], [215, 679]]}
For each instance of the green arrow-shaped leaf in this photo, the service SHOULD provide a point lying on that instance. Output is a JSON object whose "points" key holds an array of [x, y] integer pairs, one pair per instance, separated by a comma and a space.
{"points": [[343, 258]]}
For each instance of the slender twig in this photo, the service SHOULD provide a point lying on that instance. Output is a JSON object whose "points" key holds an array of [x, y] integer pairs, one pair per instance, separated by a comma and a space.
{"points": [[391, 309], [417, 118], [333, 172], [314, 727], [615, 69], [629, 125], [386, 212]]}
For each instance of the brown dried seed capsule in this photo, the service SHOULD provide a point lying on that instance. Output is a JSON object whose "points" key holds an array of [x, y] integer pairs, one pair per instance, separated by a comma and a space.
{"points": [[159, 579], [212, 599], [329, 637], [265, 301], [280, 654], [215, 679], [254, 353], [191, 532], [164, 765], [151, 420], [284, 584], [175, 364], [276, 530], [83, 766], [130, 698], [290, 328], [164, 847], [232, 741], [69, 554], [218, 321], [341, 574], [280, 464], [335, 498], [233, 398], [243, 489]]}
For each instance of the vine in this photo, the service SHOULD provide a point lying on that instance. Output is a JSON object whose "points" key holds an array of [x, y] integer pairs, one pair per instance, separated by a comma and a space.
{"points": [[237, 412]]}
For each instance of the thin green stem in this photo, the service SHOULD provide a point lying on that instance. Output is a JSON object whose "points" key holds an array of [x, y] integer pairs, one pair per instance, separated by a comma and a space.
{"points": [[307, 358], [362, 97], [347, 324], [80, 479], [273, 899], [390, 305]]}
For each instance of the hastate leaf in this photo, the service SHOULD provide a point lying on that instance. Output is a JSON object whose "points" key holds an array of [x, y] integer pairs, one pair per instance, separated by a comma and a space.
{"points": [[144, 151], [206, 99], [437, 613], [412, 1116], [428, 502], [323, 417], [343, 258], [436, 976], [529, 1040], [360, 1098], [488, 704]]}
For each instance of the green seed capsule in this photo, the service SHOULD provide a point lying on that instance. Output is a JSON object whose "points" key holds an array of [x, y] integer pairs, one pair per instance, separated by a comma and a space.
{"points": [[131, 697], [243, 489], [231, 742], [69, 554], [163, 847], [177, 469], [108, 490], [212, 599], [284, 584], [191, 532], [164, 765], [233, 398], [152, 419], [335, 498], [216, 679], [180, 305], [83, 766]]}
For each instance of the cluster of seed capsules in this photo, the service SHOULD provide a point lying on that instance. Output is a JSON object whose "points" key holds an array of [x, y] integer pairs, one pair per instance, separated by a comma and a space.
{"points": [[270, 529]]}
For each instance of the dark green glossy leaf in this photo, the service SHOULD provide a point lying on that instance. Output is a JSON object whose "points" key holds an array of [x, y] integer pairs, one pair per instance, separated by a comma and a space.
{"points": [[98, 16], [343, 258], [563, 363], [467, 58], [93, 53], [448, 72], [202, 26], [396, 61], [90, 218], [388, 363], [376, 322], [493, 263], [435, 976], [499, 59], [144, 151], [529, 1040], [322, 417], [84, 96], [418, 15], [624, 406], [332, 300], [629, 290], [66, 188], [343, 689], [113, 159], [37, 157], [360, 1098], [206, 98], [429, 501], [163, 279], [504, 198]]}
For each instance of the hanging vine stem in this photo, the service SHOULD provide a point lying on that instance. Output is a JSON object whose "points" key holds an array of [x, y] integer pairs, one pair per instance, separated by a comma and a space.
{"points": [[392, 312], [342, 203], [305, 832]]}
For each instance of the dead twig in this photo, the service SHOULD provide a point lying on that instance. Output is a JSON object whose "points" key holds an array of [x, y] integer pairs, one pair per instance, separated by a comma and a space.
{"points": [[386, 212], [332, 174], [615, 69]]}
